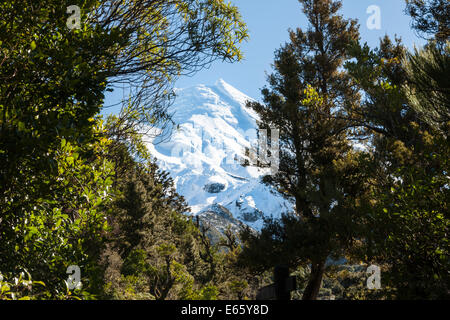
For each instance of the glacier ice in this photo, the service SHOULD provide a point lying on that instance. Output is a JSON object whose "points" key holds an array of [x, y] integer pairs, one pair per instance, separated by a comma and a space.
{"points": [[214, 127]]}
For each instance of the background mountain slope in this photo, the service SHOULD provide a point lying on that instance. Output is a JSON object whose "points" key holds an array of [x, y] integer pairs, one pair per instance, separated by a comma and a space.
{"points": [[213, 129]]}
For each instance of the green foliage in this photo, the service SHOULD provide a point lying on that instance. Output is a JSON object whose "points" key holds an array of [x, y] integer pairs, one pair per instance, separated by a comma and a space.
{"points": [[151, 241], [18, 288], [407, 213], [64, 227], [318, 168], [76, 191], [155, 250], [388, 204], [428, 86], [159, 41], [410, 227], [430, 17], [58, 168], [54, 180]]}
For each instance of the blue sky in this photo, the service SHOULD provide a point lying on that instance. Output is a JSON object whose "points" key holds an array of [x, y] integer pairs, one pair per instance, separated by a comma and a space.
{"points": [[268, 22]]}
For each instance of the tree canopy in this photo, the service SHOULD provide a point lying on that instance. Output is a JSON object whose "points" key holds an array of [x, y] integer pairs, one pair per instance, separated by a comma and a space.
{"points": [[363, 154]]}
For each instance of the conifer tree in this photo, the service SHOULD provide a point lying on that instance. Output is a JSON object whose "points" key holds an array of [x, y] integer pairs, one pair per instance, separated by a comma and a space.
{"points": [[430, 18], [428, 87], [405, 112], [305, 101]]}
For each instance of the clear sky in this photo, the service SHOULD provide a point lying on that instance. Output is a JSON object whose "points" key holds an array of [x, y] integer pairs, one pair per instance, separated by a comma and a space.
{"points": [[268, 22]]}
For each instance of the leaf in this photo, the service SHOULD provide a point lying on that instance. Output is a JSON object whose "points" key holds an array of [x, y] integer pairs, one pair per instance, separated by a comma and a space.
{"points": [[39, 282], [5, 288], [33, 45]]}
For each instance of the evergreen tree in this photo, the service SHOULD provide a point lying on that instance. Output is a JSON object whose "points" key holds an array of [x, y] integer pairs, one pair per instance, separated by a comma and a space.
{"points": [[154, 250], [152, 246], [408, 165], [317, 168], [430, 17], [428, 85]]}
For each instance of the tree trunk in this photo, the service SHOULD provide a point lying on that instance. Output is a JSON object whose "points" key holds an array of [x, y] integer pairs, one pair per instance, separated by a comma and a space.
{"points": [[315, 281]]}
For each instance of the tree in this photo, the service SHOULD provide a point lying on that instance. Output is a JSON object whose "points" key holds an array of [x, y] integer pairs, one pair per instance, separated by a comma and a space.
{"points": [[407, 214], [55, 177], [430, 17], [154, 250], [163, 41], [317, 166], [428, 87], [153, 241], [410, 228]]}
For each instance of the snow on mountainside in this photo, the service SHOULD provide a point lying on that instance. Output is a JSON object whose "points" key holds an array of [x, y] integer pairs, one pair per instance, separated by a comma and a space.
{"points": [[214, 128]]}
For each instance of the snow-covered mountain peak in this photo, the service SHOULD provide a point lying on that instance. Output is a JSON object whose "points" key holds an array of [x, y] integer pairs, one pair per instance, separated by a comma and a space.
{"points": [[214, 127], [232, 92]]}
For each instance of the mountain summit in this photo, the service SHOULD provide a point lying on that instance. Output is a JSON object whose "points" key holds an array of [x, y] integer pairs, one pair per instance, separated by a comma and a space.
{"points": [[213, 129]]}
